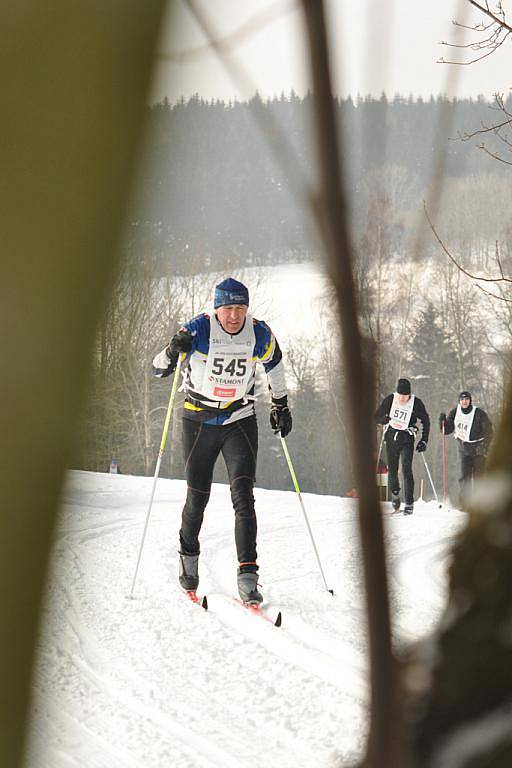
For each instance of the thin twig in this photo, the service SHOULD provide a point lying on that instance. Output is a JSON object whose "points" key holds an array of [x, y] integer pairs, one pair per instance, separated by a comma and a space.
{"points": [[480, 44], [454, 260], [488, 129], [493, 155], [480, 27], [494, 295], [442, 60]]}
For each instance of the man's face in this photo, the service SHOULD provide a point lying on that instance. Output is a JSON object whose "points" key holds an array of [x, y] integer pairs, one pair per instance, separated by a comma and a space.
{"points": [[465, 401], [402, 399], [232, 317]]}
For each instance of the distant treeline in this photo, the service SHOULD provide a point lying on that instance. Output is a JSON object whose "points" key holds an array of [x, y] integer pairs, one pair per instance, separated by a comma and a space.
{"points": [[214, 191]]}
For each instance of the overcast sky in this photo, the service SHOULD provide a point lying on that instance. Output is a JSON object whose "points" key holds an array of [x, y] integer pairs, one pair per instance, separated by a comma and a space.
{"points": [[377, 45]]}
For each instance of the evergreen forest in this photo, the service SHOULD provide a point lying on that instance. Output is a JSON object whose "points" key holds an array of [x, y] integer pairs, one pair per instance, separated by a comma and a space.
{"points": [[216, 189]]}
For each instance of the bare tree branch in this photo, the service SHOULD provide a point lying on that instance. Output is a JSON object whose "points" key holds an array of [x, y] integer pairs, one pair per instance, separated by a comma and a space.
{"points": [[497, 130], [476, 278], [359, 391], [481, 27], [442, 60], [494, 295], [500, 104], [486, 10], [498, 26], [253, 26], [485, 129], [493, 154]]}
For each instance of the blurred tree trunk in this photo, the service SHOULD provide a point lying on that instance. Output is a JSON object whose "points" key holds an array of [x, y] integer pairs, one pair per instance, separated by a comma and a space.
{"points": [[381, 749], [73, 78], [460, 682]]}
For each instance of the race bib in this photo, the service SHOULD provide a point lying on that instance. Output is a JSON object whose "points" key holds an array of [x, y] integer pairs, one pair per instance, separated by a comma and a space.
{"points": [[229, 365], [400, 414], [463, 424]]}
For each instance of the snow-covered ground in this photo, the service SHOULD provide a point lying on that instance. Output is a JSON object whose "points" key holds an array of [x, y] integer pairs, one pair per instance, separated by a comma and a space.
{"points": [[156, 682]]}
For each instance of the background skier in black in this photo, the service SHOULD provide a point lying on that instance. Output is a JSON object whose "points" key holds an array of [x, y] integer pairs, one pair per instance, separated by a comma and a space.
{"points": [[400, 412], [474, 442]]}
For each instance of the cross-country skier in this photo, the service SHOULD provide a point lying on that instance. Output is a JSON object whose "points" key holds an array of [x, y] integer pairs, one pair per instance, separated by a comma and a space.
{"points": [[473, 430], [222, 348], [399, 413]]}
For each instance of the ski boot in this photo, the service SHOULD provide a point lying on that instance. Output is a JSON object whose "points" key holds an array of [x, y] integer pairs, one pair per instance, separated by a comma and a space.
{"points": [[188, 572], [395, 500], [248, 586], [408, 509]]}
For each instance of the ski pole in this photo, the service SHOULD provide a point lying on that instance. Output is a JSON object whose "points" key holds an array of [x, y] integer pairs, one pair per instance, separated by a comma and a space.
{"points": [[158, 462], [296, 484], [380, 451], [443, 438], [430, 478]]}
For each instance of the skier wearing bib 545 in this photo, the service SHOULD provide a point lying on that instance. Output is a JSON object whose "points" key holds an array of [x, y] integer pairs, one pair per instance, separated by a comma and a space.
{"points": [[222, 348], [473, 430], [399, 413]]}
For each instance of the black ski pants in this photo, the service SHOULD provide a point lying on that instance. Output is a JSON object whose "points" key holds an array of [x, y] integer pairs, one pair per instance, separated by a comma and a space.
{"points": [[471, 464], [238, 443], [401, 450]]}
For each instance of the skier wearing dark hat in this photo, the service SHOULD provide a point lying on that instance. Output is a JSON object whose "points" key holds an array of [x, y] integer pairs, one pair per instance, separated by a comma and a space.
{"points": [[473, 431], [399, 413], [222, 348]]}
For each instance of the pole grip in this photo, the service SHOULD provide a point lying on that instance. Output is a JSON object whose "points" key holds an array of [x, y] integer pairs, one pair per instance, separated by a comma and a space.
{"points": [[171, 404]]}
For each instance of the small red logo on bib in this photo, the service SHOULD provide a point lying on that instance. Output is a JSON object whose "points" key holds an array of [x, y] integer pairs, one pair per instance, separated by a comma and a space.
{"points": [[223, 392]]}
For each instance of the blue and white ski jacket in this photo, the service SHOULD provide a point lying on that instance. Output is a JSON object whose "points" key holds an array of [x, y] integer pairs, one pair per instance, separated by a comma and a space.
{"points": [[220, 370]]}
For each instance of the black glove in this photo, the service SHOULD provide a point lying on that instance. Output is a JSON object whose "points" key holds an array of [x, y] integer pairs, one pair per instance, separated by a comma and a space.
{"points": [[422, 446], [280, 416], [180, 342], [442, 420]]}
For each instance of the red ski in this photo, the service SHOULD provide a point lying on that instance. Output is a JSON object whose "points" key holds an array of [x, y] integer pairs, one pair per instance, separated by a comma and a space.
{"points": [[194, 598], [257, 610]]}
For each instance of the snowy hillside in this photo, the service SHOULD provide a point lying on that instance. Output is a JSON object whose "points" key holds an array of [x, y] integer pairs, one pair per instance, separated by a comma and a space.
{"points": [[156, 682]]}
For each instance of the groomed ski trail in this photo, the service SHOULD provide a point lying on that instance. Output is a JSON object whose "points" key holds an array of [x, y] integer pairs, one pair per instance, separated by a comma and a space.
{"points": [[154, 681]]}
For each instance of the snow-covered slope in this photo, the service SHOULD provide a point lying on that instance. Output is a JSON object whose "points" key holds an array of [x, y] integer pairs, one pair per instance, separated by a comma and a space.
{"points": [[157, 682]]}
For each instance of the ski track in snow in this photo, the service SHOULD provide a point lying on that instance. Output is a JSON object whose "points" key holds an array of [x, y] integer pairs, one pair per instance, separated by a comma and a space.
{"points": [[156, 681]]}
